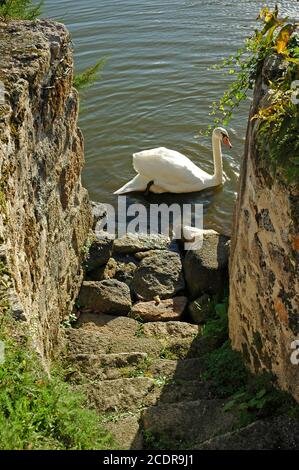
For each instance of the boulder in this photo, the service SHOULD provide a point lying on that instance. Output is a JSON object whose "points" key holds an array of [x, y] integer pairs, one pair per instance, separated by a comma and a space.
{"points": [[99, 253], [160, 274], [206, 269], [121, 268], [109, 296], [165, 310], [199, 309], [134, 243], [101, 273]]}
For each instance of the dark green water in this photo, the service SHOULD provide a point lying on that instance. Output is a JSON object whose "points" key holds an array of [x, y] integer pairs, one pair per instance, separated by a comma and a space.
{"points": [[155, 88]]}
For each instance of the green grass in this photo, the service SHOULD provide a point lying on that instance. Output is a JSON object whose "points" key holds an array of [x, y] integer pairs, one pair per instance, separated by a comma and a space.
{"points": [[225, 370], [20, 9], [38, 412]]}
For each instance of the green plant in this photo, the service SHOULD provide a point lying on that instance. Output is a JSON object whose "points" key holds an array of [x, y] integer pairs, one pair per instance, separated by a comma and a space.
{"points": [[87, 245], [69, 322], [139, 329], [216, 327], [88, 76], [167, 353], [260, 398], [38, 411], [20, 9], [278, 119], [225, 370], [140, 370]]}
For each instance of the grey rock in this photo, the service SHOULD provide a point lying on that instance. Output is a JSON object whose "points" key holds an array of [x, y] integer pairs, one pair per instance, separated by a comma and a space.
{"points": [[124, 394], [171, 330], [121, 268], [134, 243], [99, 253], [107, 271], [276, 433], [109, 296], [206, 269], [178, 423], [160, 274]]}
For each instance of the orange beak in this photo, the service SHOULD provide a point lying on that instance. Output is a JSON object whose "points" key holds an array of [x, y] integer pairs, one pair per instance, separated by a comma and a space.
{"points": [[226, 142]]}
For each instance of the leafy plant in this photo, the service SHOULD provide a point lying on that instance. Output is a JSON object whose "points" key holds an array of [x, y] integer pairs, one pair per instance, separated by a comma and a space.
{"points": [[278, 120], [88, 76], [69, 322], [260, 399], [20, 9], [216, 327], [39, 412], [251, 396]]}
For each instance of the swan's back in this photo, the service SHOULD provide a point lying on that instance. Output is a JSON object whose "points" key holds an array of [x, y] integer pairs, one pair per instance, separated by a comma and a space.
{"points": [[167, 165]]}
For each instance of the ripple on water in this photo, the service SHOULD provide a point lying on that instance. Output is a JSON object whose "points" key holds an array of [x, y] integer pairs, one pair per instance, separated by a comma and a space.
{"points": [[156, 89]]}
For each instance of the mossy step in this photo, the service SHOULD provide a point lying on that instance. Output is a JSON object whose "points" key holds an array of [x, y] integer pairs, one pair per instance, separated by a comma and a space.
{"points": [[131, 394], [94, 368], [106, 340]]}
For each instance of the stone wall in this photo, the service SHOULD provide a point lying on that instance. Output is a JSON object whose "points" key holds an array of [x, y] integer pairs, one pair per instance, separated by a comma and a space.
{"points": [[45, 212], [264, 263]]}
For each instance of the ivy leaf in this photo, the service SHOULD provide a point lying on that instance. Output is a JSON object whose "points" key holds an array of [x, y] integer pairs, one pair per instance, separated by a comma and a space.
{"points": [[283, 38]]}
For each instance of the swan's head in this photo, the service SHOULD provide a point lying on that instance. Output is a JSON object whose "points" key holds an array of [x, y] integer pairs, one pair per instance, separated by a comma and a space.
{"points": [[223, 136]]}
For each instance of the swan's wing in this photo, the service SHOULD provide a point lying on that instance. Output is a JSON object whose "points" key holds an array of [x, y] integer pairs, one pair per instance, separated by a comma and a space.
{"points": [[167, 165]]}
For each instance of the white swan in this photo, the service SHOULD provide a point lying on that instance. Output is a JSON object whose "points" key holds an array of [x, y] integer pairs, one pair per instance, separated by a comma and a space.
{"points": [[162, 170]]}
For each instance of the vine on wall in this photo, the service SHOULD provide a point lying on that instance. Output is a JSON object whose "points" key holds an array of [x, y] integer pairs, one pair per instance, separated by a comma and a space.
{"points": [[278, 121]]}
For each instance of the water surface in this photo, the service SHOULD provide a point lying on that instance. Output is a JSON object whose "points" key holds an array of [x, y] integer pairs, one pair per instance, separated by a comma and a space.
{"points": [[155, 88]]}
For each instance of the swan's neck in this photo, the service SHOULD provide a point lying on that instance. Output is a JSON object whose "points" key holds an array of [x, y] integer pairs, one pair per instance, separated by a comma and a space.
{"points": [[217, 156]]}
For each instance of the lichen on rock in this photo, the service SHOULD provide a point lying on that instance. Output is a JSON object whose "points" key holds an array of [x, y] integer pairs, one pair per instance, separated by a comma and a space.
{"points": [[47, 215]]}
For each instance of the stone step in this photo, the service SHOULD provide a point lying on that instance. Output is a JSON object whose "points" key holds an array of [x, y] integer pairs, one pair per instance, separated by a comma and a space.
{"points": [[126, 431], [121, 324], [102, 334], [178, 370], [279, 433], [97, 367], [179, 425], [131, 394], [88, 341], [120, 395]]}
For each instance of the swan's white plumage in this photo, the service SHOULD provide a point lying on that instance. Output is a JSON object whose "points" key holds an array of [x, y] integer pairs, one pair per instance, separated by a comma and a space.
{"points": [[172, 171]]}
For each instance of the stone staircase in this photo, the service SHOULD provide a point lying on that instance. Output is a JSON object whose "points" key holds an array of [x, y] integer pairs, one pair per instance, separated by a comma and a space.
{"points": [[145, 380], [143, 376]]}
